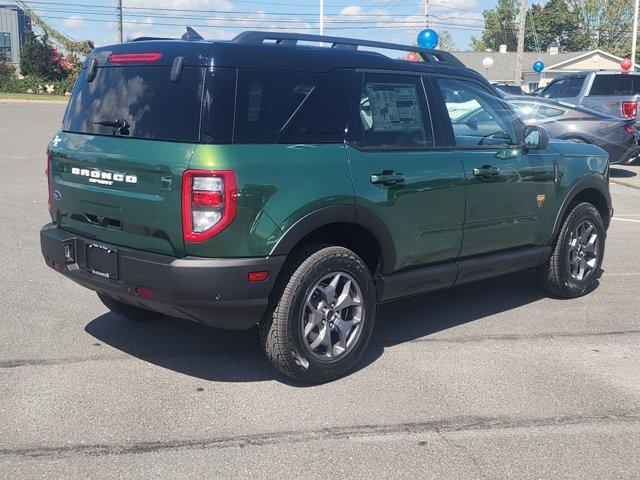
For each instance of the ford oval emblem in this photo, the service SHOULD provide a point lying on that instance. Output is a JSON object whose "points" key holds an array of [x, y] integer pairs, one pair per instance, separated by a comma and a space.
{"points": [[57, 195]]}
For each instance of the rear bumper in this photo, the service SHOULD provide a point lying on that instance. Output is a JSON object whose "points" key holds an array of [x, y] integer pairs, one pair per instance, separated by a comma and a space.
{"points": [[211, 291], [626, 155]]}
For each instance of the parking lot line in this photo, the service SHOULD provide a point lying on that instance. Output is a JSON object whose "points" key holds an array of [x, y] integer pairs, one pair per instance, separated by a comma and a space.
{"points": [[626, 219]]}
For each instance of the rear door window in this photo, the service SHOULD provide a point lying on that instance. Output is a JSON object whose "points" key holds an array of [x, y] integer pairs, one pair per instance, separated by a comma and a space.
{"points": [[392, 113], [153, 106], [612, 84], [275, 106], [572, 86]]}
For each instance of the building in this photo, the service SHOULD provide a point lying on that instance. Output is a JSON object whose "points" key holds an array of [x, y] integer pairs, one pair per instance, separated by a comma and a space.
{"points": [[14, 24], [555, 63]]}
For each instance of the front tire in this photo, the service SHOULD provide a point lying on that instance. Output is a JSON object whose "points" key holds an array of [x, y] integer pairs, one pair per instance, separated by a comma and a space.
{"points": [[128, 311], [575, 263], [321, 315]]}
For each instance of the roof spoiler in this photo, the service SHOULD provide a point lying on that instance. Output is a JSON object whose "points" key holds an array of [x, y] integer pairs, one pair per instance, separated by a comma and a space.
{"points": [[291, 39], [190, 35]]}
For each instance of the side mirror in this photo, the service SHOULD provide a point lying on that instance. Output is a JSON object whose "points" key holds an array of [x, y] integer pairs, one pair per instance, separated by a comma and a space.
{"points": [[535, 138]]}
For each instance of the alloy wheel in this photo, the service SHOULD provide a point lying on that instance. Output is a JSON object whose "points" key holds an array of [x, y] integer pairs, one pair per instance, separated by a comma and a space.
{"points": [[332, 317]]}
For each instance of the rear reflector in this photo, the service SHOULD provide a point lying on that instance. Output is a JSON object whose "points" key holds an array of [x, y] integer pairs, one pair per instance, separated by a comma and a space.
{"points": [[629, 128], [59, 267], [47, 173], [134, 57], [629, 109], [144, 292], [258, 276]]}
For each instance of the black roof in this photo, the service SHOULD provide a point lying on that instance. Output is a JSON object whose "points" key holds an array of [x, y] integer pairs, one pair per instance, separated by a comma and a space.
{"points": [[283, 51]]}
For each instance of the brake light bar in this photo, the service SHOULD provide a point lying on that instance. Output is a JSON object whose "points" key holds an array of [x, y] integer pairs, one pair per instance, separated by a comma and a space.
{"points": [[134, 57], [629, 109], [209, 203]]}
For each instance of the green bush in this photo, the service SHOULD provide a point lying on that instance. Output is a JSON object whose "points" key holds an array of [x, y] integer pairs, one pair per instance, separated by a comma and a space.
{"points": [[6, 71], [35, 85]]}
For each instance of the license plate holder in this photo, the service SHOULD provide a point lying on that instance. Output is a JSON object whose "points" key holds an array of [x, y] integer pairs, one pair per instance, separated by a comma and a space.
{"points": [[102, 260]]}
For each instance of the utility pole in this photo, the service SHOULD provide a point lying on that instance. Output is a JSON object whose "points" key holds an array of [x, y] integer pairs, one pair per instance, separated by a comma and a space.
{"points": [[520, 51], [119, 20], [321, 17], [634, 39], [427, 10]]}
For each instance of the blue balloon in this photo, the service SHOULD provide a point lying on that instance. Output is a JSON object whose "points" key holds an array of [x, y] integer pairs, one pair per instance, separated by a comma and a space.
{"points": [[428, 38], [538, 66]]}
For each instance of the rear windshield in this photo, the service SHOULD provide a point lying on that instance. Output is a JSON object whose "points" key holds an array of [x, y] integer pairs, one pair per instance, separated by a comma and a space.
{"points": [[153, 106], [616, 85]]}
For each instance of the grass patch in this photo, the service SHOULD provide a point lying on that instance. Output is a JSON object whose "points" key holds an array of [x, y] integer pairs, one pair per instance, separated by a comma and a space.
{"points": [[33, 96]]}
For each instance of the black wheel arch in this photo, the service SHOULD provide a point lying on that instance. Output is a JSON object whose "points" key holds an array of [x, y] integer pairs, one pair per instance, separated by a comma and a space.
{"points": [[591, 189], [346, 215]]}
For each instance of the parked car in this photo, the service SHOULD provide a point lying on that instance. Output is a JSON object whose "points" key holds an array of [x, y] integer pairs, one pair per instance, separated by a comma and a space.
{"points": [[508, 88], [259, 182], [616, 135], [613, 92]]}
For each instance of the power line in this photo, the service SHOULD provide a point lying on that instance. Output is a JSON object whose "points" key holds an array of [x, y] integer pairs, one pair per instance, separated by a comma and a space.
{"points": [[244, 27]]}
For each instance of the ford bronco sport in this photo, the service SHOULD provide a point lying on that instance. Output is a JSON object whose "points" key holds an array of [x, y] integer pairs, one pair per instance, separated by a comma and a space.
{"points": [[268, 182]]}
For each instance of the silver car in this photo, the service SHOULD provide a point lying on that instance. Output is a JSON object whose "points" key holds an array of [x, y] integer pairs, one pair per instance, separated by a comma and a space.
{"points": [[572, 122], [613, 92]]}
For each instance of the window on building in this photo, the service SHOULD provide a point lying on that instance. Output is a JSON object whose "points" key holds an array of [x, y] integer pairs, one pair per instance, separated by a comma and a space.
{"points": [[5, 47]]}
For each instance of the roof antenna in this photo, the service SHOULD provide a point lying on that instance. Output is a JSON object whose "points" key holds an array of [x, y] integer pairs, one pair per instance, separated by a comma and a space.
{"points": [[191, 35]]}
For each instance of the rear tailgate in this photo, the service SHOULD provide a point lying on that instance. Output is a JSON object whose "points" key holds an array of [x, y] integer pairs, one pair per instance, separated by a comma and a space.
{"points": [[128, 135], [120, 190]]}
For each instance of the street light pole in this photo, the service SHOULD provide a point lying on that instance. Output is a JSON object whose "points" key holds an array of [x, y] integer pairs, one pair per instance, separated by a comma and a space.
{"points": [[634, 39]]}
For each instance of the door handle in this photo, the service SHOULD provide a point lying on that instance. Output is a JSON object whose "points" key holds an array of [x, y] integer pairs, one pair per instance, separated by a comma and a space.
{"points": [[486, 172], [387, 177]]}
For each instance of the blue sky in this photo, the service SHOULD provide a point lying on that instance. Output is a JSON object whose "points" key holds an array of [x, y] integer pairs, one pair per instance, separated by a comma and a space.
{"points": [[385, 20]]}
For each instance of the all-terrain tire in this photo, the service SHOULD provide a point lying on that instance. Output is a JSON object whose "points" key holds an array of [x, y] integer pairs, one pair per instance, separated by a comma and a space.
{"points": [[282, 331], [555, 275], [128, 311]]}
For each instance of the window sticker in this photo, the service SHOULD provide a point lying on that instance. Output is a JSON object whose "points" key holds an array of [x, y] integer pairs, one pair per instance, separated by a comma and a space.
{"points": [[394, 107]]}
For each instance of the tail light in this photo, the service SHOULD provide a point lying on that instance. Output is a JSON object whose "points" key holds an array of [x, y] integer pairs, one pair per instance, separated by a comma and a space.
{"points": [[47, 172], [209, 203], [629, 109]]}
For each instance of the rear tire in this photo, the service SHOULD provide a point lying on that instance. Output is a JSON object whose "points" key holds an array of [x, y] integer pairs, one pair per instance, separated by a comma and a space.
{"points": [[321, 314], [575, 263], [128, 311]]}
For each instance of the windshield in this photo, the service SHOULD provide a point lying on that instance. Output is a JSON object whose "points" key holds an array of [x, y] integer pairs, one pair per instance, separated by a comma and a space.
{"points": [[137, 102]]}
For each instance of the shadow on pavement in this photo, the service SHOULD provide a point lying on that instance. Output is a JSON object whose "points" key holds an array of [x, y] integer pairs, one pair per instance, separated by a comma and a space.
{"points": [[226, 356], [621, 173]]}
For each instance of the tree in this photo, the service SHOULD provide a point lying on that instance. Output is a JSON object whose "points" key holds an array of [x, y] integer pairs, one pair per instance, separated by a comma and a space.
{"points": [[499, 28], [554, 23], [604, 24], [446, 42], [39, 59]]}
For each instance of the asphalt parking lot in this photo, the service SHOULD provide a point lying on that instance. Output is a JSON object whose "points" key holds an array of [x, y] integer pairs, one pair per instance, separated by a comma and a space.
{"points": [[492, 380]]}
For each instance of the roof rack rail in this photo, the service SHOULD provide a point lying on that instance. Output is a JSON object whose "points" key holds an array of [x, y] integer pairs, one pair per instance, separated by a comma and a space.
{"points": [[291, 39]]}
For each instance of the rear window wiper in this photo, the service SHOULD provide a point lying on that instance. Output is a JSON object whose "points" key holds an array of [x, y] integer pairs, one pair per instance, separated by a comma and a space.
{"points": [[120, 125]]}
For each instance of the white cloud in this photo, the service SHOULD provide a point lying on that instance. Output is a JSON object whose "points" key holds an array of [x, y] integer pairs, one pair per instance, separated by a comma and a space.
{"points": [[351, 10], [74, 21]]}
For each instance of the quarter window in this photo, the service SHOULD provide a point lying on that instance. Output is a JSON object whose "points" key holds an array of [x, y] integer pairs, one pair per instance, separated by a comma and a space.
{"points": [[291, 107], [392, 113], [477, 117]]}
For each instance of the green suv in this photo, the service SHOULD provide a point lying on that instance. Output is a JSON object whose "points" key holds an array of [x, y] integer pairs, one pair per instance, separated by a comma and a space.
{"points": [[269, 181]]}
